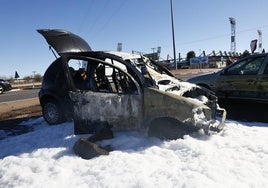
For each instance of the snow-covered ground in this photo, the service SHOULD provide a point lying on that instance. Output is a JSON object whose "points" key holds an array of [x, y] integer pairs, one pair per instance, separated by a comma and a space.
{"points": [[237, 157]]}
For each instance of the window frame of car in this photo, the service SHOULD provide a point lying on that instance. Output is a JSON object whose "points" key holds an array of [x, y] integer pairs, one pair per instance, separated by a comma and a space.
{"points": [[66, 57], [131, 67], [261, 69]]}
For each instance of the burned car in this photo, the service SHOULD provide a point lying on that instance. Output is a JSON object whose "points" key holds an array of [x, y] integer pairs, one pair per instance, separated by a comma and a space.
{"points": [[127, 92]]}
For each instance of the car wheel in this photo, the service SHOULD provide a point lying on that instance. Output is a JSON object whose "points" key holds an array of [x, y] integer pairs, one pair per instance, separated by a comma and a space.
{"points": [[52, 113], [169, 129], [1, 89]]}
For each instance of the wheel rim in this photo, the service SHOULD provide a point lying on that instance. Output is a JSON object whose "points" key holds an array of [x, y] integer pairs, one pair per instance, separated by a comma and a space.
{"points": [[51, 113]]}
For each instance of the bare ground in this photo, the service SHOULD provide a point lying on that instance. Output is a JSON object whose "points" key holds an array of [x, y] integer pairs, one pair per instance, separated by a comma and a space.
{"points": [[20, 109], [11, 118], [22, 113]]}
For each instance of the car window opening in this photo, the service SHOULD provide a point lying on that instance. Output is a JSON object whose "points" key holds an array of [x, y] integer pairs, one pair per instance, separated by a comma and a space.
{"points": [[98, 77]]}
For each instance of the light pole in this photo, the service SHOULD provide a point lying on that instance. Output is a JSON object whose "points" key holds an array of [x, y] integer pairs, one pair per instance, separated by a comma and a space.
{"points": [[173, 34], [260, 41]]}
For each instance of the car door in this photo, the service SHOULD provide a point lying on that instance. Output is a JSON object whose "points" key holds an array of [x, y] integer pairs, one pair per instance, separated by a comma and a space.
{"points": [[239, 81], [110, 97], [262, 84]]}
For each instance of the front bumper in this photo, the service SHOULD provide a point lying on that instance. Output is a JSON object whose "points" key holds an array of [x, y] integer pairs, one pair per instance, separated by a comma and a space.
{"points": [[202, 120], [220, 117]]}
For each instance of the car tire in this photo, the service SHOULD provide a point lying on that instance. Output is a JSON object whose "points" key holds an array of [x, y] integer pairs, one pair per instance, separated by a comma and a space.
{"points": [[52, 112], [169, 129]]}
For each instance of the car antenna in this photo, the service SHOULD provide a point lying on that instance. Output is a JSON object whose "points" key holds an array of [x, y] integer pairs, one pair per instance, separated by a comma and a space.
{"points": [[50, 48]]}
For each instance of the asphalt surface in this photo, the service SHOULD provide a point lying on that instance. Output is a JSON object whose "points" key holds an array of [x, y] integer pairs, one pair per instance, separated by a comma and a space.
{"points": [[185, 74], [19, 94]]}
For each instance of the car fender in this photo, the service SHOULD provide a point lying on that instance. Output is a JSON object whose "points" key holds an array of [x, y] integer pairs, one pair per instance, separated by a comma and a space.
{"points": [[159, 104]]}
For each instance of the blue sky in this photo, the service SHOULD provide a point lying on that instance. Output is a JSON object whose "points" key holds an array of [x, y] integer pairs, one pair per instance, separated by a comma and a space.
{"points": [[138, 24]]}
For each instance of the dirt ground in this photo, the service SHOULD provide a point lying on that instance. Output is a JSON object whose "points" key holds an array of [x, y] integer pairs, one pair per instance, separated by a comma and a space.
{"points": [[20, 109], [22, 112], [12, 114]]}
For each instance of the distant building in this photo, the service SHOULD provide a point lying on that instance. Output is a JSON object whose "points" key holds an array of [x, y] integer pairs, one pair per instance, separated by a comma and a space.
{"points": [[217, 61], [208, 62]]}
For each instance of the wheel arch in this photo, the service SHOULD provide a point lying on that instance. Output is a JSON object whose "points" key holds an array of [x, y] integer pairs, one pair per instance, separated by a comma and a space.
{"points": [[46, 98]]}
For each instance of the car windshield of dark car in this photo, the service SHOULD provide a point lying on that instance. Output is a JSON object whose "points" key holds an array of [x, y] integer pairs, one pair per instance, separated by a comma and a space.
{"points": [[250, 66]]}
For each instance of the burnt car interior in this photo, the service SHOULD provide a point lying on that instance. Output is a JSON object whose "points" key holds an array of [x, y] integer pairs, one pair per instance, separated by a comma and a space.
{"points": [[99, 76]]}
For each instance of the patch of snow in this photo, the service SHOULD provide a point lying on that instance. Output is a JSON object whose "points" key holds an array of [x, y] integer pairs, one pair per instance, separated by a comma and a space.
{"points": [[237, 157]]}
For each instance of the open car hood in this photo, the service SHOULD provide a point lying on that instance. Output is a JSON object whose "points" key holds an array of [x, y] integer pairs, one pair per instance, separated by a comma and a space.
{"points": [[64, 41]]}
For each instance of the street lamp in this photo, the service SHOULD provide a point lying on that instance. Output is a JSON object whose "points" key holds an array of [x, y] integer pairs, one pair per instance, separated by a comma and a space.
{"points": [[173, 34]]}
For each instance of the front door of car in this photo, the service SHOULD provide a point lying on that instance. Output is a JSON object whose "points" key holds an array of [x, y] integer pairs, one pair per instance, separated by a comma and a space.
{"points": [[110, 96], [262, 85], [240, 80]]}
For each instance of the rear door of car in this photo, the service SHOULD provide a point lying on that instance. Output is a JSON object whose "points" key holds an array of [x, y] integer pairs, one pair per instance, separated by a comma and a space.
{"points": [[240, 81], [110, 96]]}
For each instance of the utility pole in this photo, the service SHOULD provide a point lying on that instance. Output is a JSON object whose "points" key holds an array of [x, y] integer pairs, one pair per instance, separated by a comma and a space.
{"points": [[173, 35], [233, 45], [260, 41]]}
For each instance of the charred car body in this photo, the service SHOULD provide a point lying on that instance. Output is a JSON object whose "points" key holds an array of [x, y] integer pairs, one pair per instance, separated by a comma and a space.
{"points": [[123, 91]]}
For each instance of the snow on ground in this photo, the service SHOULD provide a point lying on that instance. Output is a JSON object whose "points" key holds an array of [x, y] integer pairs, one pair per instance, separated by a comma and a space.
{"points": [[237, 157]]}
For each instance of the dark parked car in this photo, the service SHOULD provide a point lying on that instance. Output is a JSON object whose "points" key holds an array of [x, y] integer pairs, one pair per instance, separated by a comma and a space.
{"points": [[246, 79], [4, 86], [123, 91]]}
